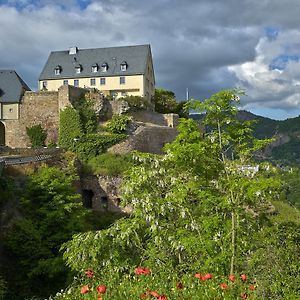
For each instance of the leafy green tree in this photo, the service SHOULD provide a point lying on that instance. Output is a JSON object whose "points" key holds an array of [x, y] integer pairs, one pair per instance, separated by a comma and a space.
{"points": [[194, 209], [52, 213], [165, 102]]}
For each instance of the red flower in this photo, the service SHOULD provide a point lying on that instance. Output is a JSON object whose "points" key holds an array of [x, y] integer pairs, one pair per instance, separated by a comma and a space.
{"points": [[179, 285], [89, 273], [144, 295], [154, 294], [162, 297], [206, 277], [85, 289], [252, 287], [244, 277], [198, 275], [142, 271], [244, 295], [224, 286], [231, 278], [101, 289]]}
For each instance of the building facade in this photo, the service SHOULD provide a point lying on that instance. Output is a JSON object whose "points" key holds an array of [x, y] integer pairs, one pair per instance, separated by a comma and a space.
{"points": [[115, 71], [12, 89]]}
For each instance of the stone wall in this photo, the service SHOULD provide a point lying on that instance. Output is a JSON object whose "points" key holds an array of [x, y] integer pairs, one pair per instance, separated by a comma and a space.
{"points": [[39, 108], [35, 108], [146, 116], [103, 191], [149, 139]]}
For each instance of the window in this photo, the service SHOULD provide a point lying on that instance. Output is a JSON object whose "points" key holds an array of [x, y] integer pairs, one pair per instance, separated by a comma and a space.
{"points": [[78, 69], [122, 80], [57, 70], [93, 81], [104, 67], [94, 68], [66, 82], [123, 94], [124, 66], [44, 85], [102, 81], [76, 82]]}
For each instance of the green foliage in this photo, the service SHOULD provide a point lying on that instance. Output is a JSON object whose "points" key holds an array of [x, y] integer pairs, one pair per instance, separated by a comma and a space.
{"points": [[196, 209], [88, 119], [136, 102], [3, 288], [108, 164], [37, 135], [292, 188], [288, 152], [92, 145], [165, 102], [118, 123], [70, 128], [48, 203]]}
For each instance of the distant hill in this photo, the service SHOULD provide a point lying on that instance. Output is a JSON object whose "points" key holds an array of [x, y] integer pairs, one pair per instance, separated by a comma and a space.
{"points": [[286, 133]]}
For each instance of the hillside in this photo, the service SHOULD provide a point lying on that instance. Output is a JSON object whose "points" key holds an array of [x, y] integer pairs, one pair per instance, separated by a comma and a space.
{"points": [[286, 133]]}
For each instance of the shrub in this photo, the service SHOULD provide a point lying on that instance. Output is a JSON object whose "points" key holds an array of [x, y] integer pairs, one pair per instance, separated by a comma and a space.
{"points": [[37, 135], [108, 164], [91, 145], [136, 102], [118, 124], [69, 127]]}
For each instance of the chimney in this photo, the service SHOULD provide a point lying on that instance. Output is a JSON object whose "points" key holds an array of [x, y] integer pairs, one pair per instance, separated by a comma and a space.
{"points": [[73, 50]]}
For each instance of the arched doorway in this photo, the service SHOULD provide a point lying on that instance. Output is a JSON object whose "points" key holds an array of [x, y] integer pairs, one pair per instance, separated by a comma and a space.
{"points": [[2, 134]]}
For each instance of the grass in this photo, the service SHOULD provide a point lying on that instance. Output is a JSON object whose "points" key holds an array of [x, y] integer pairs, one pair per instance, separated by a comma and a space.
{"points": [[107, 164]]}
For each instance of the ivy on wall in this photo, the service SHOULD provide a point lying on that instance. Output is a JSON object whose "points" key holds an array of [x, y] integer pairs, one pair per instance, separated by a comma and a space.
{"points": [[37, 135], [70, 128]]}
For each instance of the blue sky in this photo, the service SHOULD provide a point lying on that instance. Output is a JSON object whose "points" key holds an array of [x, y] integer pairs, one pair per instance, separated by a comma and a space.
{"points": [[203, 45]]}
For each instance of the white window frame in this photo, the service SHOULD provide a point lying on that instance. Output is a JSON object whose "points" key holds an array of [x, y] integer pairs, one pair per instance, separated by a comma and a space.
{"points": [[94, 69]]}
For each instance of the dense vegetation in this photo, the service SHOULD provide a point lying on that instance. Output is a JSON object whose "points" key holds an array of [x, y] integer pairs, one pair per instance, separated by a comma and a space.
{"points": [[208, 222], [202, 212]]}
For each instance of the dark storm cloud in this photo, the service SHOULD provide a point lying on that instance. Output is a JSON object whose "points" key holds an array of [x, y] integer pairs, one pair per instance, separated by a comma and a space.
{"points": [[203, 45]]}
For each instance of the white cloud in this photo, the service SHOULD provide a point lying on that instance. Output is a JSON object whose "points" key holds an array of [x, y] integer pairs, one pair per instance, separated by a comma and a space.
{"points": [[268, 86]]}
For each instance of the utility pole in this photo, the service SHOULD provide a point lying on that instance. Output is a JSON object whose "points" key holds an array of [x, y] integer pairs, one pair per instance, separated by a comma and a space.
{"points": [[187, 94]]}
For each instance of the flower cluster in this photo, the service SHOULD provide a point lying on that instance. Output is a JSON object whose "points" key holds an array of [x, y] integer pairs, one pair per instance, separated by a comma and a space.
{"points": [[101, 289], [143, 271]]}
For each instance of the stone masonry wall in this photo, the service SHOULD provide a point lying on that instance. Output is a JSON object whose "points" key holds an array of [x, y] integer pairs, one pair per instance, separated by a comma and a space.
{"points": [[35, 108], [39, 108], [149, 139]]}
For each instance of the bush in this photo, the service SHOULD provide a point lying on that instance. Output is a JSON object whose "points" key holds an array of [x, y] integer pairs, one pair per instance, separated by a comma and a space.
{"points": [[136, 102], [69, 127], [108, 164], [91, 145], [118, 124], [37, 135]]}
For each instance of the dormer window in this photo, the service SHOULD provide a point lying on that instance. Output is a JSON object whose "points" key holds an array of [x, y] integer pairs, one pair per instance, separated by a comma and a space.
{"points": [[95, 68], [104, 67], [124, 66], [57, 70], [78, 69]]}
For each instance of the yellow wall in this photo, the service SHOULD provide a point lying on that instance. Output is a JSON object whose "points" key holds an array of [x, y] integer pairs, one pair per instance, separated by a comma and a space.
{"points": [[9, 111], [134, 84]]}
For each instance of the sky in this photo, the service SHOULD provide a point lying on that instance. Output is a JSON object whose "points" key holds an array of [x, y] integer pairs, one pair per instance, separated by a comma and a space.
{"points": [[202, 45]]}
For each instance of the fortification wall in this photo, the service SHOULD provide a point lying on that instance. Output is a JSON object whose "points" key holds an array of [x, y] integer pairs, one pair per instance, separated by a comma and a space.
{"points": [[35, 108], [149, 139]]}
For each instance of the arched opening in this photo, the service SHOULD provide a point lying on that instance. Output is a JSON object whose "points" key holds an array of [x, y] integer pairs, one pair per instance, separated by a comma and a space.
{"points": [[2, 134], [87, 197], [104, 202]]}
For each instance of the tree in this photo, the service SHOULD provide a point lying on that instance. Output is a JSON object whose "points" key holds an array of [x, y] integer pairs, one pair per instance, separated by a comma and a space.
{"points": [[194, 209], [164, 101], [52, 213]]}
